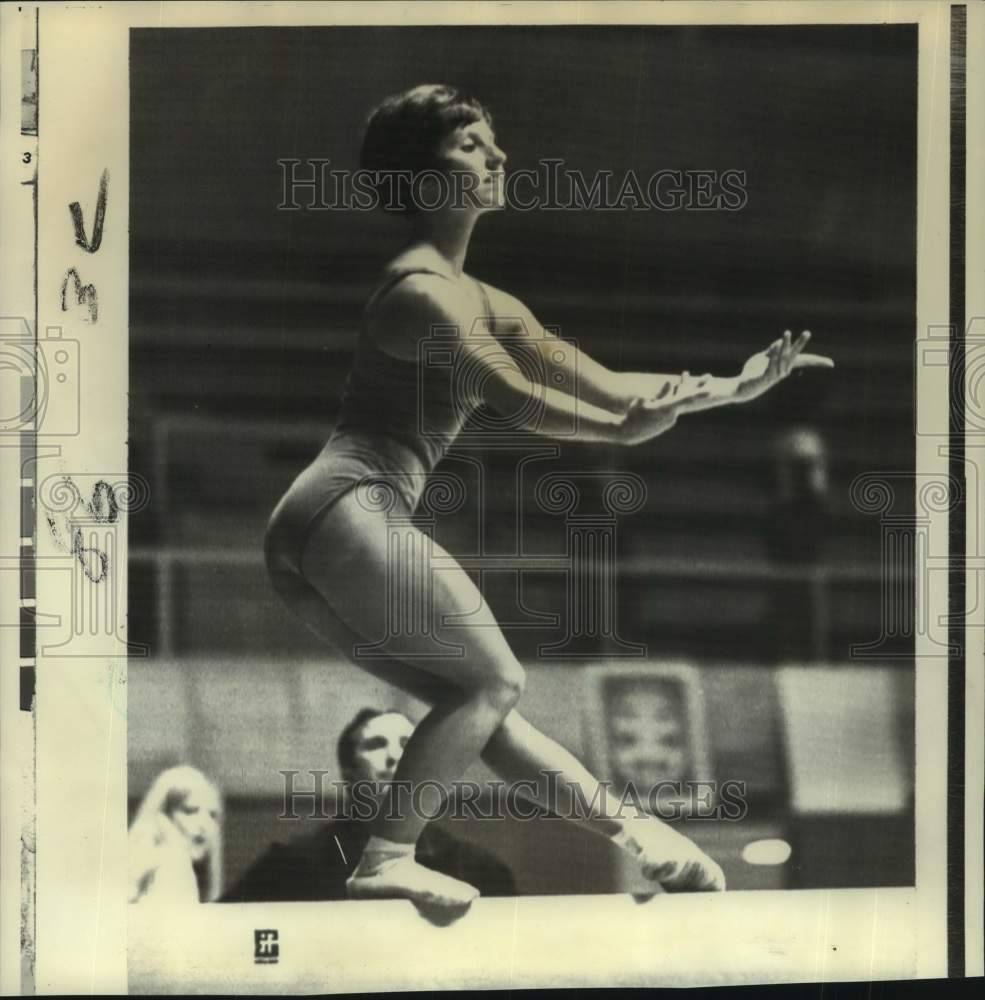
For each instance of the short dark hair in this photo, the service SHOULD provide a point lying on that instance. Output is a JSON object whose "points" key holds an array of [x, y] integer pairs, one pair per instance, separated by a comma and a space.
{"points": [[349, 737], [404, 131]]}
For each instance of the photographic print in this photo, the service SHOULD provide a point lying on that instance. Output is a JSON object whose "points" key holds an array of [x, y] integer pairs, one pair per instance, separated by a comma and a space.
{"points": [[501, 479]]}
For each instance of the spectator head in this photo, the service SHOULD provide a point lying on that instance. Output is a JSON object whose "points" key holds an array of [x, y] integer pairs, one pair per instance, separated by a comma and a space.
{"points": [[184, 807], [371, 745], [801, 463]]}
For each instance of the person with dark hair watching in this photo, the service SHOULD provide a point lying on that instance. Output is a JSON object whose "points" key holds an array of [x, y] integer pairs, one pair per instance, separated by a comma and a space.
{"points": [[798, 530], [315, 866]]}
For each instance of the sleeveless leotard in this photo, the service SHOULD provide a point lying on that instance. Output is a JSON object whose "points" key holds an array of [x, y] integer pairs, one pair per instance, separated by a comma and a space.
{"points": [[397, 420]]}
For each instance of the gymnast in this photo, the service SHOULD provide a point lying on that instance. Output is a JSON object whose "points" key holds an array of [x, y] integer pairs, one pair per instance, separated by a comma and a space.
{"points": [[326, 547]]}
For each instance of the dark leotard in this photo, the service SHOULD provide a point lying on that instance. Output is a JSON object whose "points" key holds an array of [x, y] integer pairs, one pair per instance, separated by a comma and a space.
{"points": [[397, 420]]}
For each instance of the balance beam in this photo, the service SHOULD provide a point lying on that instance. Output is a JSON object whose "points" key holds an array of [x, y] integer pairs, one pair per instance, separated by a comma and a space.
{"points": [[532, 941]]}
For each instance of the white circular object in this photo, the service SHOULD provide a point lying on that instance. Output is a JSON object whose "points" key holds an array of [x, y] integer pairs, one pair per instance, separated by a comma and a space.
{"points": [[766, 852]]}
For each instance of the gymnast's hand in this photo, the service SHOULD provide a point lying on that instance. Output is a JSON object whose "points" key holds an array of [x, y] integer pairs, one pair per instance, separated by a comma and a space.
{"points": [[648, 418], [767, 368]]}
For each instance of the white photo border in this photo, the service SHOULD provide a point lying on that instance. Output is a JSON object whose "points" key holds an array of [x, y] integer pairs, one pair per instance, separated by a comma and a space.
{"points": [[82, 925]]}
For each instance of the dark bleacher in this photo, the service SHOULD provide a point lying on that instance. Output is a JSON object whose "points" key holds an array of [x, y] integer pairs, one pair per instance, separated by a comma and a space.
{"points": [[243, 316], [222, 426]]}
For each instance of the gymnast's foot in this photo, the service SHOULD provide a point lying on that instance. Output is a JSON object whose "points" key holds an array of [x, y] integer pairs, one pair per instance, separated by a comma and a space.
{"points": [[668, 857], [401, 877]]}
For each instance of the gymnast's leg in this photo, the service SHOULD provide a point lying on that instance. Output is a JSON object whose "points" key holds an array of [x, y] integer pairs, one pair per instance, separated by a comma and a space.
{"points": [[347, 561], [518, 751]]}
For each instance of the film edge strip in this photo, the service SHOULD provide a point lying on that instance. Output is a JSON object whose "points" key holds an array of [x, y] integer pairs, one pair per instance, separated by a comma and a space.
{"points": [[27, 575], [957, 589]]}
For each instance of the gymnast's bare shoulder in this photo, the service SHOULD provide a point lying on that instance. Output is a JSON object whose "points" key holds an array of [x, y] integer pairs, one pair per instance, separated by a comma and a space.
{"points": [[415, 306], [510, 315]]}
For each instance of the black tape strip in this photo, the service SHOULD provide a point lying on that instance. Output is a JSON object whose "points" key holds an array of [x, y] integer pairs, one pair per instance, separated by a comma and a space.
{"points": [[956, 530]]}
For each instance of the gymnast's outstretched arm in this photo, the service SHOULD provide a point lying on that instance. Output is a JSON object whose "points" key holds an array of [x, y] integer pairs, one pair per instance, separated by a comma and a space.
{"points": [[760, 373], [583, 377], [490, 371], [592, 382]]}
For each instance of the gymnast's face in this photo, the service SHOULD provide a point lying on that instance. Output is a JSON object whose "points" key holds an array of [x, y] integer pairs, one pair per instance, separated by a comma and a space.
{"points": [[472, 150], [380, 746], [197, 819]]}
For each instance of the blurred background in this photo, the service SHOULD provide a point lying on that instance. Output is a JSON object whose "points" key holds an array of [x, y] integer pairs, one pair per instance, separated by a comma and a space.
{"points": [[748, 574]]}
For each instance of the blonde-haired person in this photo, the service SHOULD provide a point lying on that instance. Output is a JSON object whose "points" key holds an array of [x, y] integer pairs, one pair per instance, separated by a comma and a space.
{"points": [[175, 840]]}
